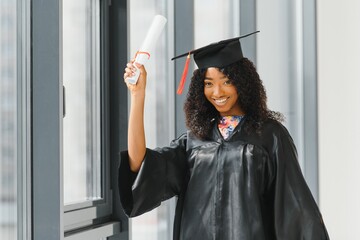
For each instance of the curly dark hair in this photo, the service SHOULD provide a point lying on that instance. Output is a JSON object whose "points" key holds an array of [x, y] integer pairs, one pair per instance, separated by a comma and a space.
{"points": [[199, 112]]}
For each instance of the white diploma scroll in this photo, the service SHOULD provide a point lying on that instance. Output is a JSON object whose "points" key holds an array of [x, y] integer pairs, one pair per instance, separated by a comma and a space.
{"points": [[143, 55]]}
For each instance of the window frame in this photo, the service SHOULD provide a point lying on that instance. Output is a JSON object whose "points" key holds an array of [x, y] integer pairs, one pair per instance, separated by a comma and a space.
{"points": [[24, 120], [46, 124]]}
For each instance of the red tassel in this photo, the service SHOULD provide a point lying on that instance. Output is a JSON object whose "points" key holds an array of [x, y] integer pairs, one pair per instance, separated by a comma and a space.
{"points": [[183, 77]]}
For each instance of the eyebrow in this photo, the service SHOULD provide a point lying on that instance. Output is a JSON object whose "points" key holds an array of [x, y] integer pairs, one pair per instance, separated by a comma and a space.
{"points": [[208, 78]]}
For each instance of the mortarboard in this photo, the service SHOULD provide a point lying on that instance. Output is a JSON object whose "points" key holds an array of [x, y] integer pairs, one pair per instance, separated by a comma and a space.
{"points": [[219, 54]]}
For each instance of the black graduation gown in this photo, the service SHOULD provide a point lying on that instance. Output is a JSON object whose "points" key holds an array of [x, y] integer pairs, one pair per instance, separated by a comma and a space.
{"points": [[249, 187]]}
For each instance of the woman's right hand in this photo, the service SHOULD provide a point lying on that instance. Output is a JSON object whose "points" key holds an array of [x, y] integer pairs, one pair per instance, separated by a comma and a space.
{"points": [[130, 70]]}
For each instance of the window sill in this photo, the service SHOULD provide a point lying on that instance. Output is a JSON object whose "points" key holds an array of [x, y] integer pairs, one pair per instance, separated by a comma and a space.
{"points": [[95, 232]]}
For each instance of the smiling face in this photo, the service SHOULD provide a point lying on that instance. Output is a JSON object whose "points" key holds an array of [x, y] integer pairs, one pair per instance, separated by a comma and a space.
{"points": [[221, 93]]}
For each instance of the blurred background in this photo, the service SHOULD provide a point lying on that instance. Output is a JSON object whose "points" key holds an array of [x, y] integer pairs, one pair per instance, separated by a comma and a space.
{"points": [[307, 54]]}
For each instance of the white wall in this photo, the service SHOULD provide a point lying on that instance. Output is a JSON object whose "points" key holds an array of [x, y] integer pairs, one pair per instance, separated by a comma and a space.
{"points": [[339, 116]]}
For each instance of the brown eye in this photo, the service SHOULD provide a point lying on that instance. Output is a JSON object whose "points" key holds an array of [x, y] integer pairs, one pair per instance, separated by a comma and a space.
{"points": [[227, 82], [207, 84]]}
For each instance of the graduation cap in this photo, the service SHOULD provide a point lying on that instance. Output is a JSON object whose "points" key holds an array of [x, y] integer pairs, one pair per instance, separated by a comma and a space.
{"points": [[219, 54]]}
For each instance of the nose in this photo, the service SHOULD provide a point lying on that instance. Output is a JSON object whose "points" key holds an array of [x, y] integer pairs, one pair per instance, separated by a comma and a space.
{"points": [[218, 91]]}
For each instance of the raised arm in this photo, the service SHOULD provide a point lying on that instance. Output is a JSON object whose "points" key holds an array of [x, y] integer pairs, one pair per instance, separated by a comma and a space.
{"points": [[136, 133]]}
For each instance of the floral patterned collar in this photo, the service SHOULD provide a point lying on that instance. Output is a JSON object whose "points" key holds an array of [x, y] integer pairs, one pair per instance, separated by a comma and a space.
{"points": [[227, 125]]}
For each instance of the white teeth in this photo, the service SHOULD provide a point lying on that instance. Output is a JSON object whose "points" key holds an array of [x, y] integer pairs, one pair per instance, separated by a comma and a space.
{"points": [[220, 100]]}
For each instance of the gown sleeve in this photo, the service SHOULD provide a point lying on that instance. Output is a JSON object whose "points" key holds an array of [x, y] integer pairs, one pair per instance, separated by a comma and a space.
{"points": [[161, 176], [296, 214]]}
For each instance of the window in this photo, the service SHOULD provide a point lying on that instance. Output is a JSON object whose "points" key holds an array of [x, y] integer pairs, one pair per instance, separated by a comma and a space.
{"points": [[43, 153], [8, 119], [283, 79], [86, 187], [81, 123], [58, 212], [159, 110], [225, 25], [14, 122]]}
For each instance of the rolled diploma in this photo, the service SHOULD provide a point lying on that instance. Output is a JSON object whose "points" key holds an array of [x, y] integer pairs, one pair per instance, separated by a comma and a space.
{"points": [[143, 55]]}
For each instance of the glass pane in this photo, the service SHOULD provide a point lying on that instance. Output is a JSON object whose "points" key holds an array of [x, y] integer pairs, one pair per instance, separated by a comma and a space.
{"points": [[8, 120], [226, 24], [81, 79], [281, 65], [159, 123]]}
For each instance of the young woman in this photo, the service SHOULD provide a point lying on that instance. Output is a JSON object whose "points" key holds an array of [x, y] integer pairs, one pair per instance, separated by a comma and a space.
{"points": [[235, 172]]}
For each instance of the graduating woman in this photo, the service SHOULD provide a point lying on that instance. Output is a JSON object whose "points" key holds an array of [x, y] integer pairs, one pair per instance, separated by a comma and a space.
{"points": [[235, 171]]}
